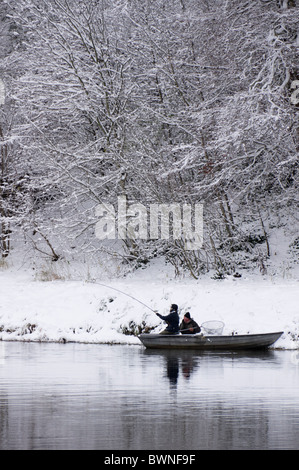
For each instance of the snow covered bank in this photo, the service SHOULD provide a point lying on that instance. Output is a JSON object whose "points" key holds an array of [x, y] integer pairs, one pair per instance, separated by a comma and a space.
{"points": [[80, 311]]}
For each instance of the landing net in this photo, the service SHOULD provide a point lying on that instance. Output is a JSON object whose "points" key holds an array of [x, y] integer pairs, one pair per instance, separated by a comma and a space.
{"points": [[213, 327]]}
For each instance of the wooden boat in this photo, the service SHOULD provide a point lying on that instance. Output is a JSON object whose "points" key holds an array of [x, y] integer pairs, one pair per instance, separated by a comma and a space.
{"points": [[199, 341]]}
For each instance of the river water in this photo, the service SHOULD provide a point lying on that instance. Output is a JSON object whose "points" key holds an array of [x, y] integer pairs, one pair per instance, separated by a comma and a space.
{"points": [[82, 396]]}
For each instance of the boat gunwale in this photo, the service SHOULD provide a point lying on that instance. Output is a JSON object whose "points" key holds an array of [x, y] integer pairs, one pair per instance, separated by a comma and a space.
{"points": [[200, 335], [199, 341]]}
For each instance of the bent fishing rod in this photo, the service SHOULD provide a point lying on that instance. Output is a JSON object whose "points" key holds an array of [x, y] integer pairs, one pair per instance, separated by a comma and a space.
{"points": [[128, 295], [131, 297], [124, 293]]}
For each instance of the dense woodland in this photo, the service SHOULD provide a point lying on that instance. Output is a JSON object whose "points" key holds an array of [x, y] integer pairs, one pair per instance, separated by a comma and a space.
{"points": [[162, 101]]}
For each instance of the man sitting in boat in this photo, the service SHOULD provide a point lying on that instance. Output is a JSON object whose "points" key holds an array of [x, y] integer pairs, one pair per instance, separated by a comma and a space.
{"points": [[172, 320], [189, 326]]}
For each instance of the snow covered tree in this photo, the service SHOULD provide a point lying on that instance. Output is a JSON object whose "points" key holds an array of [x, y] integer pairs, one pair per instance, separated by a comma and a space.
{"points": [[180, 101], [13, 178]]}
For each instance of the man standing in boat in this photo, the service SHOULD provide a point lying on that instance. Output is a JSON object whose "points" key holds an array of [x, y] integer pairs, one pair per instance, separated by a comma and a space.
{"points": [[172, 320], [189, 326]]}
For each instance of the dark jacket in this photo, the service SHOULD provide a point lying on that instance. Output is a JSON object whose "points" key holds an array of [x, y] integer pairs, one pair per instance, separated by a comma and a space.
{"points": [[172, 320], [185, 327]]}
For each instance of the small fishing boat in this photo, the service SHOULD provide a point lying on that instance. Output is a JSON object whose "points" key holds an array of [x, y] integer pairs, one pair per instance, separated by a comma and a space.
{"points": [[210, 342]]}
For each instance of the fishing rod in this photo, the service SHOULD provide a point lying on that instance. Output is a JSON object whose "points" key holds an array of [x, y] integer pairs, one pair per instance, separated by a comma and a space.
{"points": [[188, 329], [142, 303], [124, 293]]}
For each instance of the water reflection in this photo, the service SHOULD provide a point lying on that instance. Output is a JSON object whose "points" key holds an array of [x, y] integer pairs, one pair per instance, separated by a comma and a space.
{"points": [[185, 363], [175, 363], [74, 396]]}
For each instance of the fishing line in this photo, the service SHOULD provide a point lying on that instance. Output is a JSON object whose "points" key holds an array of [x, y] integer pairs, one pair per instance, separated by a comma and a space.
{"points": [[124, 293], [212, 323]]}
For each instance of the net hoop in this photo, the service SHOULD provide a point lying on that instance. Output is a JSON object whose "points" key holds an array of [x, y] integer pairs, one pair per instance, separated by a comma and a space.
{"points": [[213, 327]]}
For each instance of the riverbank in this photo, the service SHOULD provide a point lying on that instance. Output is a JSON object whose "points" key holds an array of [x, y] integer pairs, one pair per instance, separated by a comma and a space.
{"points": [[65, 310]]}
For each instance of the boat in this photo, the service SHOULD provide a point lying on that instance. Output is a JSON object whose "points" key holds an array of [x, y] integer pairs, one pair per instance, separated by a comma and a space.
{"points": [[210, 342]]}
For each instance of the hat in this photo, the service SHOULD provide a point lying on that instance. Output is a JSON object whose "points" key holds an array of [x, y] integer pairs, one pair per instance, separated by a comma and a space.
{"points": [[187, 315], [173, 307]]}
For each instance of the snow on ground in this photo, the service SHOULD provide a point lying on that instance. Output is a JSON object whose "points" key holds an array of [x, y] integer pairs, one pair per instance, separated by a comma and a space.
{"points": [[80, 311]]}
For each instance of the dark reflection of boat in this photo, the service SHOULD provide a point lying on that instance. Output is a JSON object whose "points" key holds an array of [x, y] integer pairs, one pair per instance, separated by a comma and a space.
{"points": [[176, 362], [172, 367], [232, 342], [186, 362]]}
